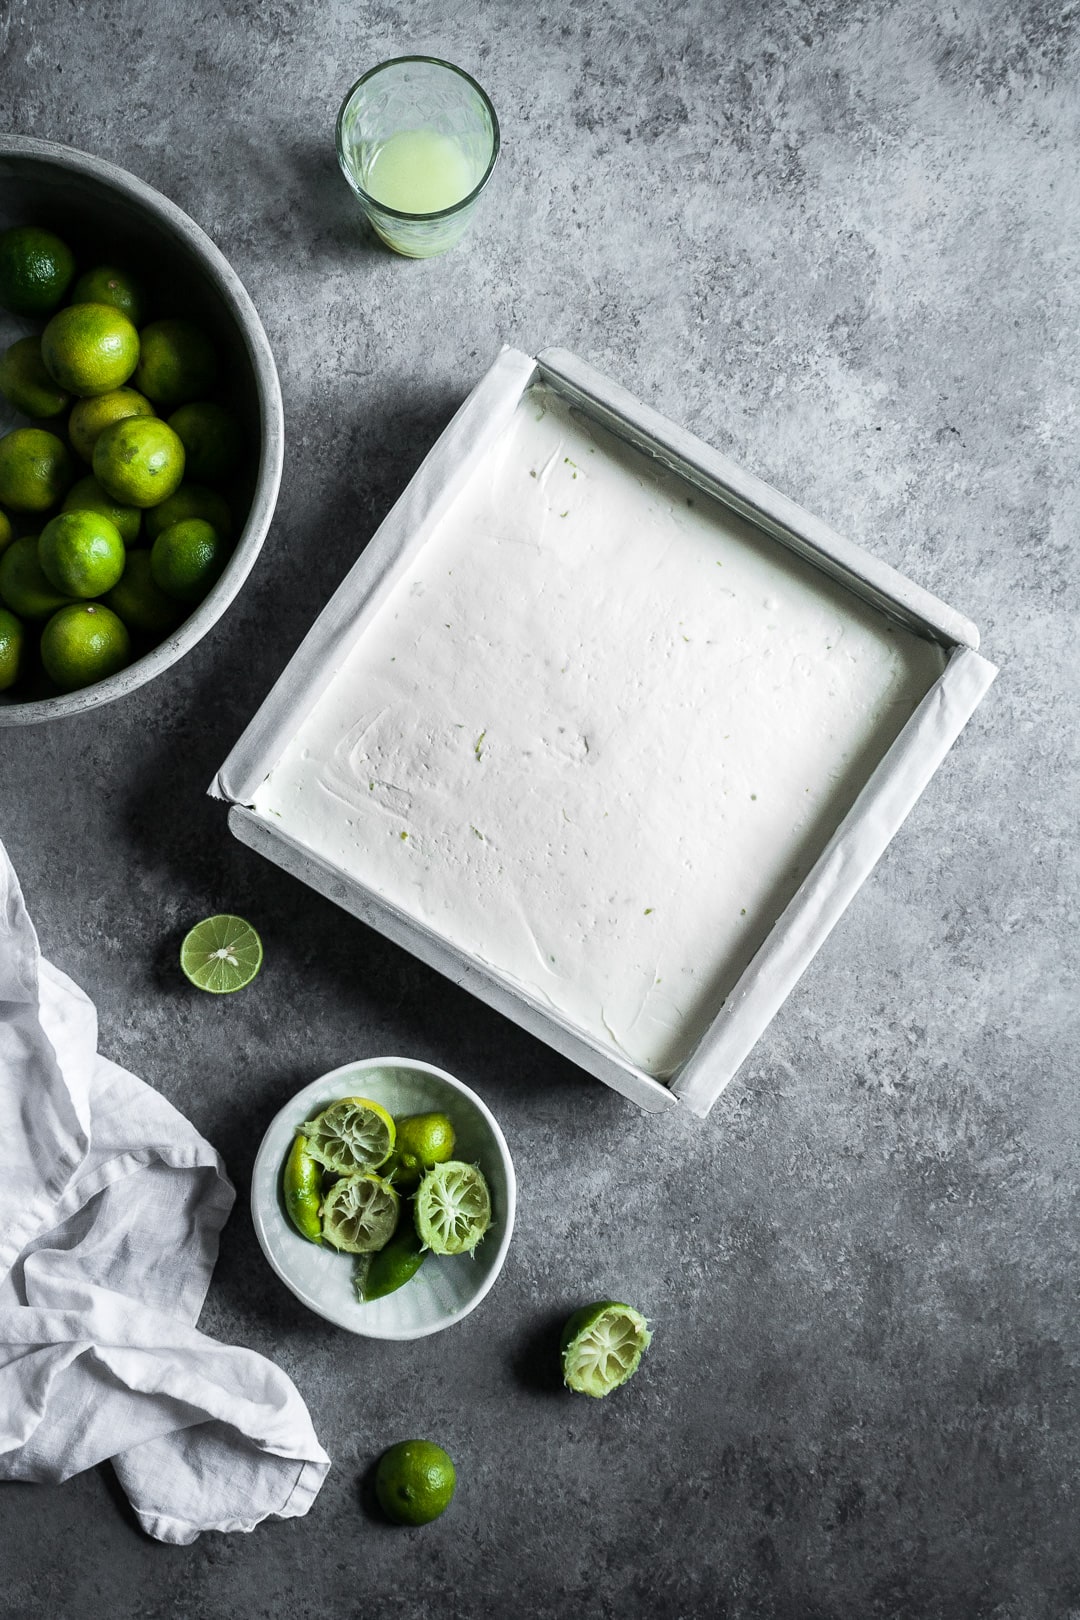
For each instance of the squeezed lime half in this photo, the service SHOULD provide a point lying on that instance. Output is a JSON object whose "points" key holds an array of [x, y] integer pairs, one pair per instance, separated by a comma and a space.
{"points": [[221, 954], [453, 1208], [359, 1214], [352, 1134], [602, 1346]]}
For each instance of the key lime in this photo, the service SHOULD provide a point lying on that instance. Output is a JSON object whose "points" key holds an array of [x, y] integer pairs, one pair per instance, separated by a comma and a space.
{"points": [[88, 496], [221, 954], [352, 1134], [90, 348], [187, 558], [453, 1208], [137, 600], [414, 1481], [303, 1189], [7, 533], [26, 384], [35, 470], [108, 285], [23, 586], [176, 364], [359, 1213], [90, 417], [35, 270], [12, 648], [190, 501], [211, 439], [423, 1140], [602, 1345], [139, 461], [391, 1267], [83, 643], [81, 553]]}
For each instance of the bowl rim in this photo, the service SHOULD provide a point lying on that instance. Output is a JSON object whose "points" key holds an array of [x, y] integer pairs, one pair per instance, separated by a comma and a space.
{"points": [[288, 1111], [237, 300]]}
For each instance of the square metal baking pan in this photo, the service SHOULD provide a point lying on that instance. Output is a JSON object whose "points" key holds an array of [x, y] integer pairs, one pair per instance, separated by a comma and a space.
{"points": [[889, 792]]}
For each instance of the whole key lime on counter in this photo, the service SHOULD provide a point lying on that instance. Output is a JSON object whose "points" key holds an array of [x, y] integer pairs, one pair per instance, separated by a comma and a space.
{"points": [[303, 1190], [360, 1214], [221, 954], [36, 268], [90, 348], [352, 1134], [452, 1208], [602, 1345], [415, 1481]]}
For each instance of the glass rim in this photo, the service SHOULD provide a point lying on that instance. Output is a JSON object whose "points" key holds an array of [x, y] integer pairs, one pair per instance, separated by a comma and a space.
{"points": [[401, 213]]}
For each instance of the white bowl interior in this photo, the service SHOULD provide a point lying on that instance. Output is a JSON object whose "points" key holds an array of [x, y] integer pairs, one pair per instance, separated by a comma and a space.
{"points": [[446, 1288]]}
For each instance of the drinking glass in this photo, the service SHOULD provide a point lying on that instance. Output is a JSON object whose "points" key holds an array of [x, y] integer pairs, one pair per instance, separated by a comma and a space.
{"points": [[417, 140]]}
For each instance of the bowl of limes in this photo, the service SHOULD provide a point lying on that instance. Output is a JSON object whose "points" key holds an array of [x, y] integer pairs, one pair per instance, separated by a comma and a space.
{"points": [[383, 1195], [141, 432]]}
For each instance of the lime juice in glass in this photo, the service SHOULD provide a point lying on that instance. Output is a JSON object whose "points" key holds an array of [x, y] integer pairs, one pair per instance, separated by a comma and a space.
{"points": [[417, 140]]}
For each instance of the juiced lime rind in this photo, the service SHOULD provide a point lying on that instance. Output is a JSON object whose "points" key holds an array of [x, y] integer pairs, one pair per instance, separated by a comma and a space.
{"points": [[602, 1345], [303, 1190], [351, 1135], [221, 954], [452, 1207], [392, 1266], [359, 1214]]}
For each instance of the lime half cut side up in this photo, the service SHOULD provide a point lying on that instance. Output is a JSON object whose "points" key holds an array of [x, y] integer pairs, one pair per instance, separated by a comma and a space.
{"points": [[353, 1134], [602, 1346], [221, 954], [453, 1208], [359, 1214]]}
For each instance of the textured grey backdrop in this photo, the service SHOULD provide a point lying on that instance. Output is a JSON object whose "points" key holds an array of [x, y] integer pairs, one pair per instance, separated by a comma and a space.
{"points": [[839, 241]]}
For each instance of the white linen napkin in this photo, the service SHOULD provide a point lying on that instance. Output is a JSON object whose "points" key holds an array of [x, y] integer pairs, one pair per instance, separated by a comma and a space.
{"points": [[111, 1205]]}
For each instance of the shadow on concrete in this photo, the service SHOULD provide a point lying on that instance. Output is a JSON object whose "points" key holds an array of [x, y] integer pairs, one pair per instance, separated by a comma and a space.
{"points": [[537, 1365], [325, 210]]}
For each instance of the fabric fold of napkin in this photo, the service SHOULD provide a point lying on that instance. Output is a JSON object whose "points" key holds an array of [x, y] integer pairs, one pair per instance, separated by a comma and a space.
{"points": [[111, 1205]]}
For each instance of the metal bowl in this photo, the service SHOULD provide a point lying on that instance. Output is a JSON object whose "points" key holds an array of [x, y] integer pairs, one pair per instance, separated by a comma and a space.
{"points": [[108, 215]]}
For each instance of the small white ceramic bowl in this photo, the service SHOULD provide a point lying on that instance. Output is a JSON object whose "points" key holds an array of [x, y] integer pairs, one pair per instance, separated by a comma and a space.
{"points": [[446, 1288]]}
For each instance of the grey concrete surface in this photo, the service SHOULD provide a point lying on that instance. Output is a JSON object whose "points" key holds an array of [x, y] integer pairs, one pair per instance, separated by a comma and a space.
{"points": [[840, 242]]}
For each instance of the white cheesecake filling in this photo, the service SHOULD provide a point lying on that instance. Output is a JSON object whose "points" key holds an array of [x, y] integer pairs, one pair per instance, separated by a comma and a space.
{"points": [[598, 734]]}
